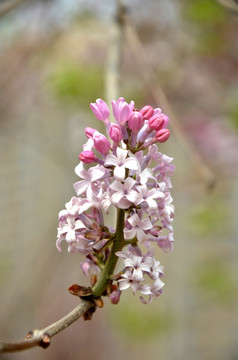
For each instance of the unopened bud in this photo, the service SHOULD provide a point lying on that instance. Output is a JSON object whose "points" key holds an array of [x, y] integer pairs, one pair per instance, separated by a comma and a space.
{"points": [[89, 132], [101, 143], [114, 297], [121, 110], [162, 135], [100, 109], [157, 111], [166, 121], [87, 157], [156, 122], [136, 121], [147, 111], [115, 133]]}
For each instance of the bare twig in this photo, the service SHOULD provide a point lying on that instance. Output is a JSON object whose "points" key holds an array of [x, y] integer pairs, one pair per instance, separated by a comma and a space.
{"points": [[6, 6], [231, 5], [42, 337], [157, 93], [113, 70]]}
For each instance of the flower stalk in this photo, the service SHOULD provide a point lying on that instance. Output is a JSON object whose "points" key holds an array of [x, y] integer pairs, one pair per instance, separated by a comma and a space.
{"points": [[110, 265]]}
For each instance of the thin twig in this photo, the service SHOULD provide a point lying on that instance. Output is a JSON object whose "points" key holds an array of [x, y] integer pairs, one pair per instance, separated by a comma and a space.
{"points": [[42, 337], [157, 93], [113, 69], [10, 5], [230, 5]]}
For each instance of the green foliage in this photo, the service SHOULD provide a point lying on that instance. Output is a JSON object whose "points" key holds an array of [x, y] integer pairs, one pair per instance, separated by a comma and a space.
{"points": [[78, 84], [137, 321], [207, 12], [210, 20], [6, 267], [214, 280], [211, 43], [233, 114], [209, 219]]}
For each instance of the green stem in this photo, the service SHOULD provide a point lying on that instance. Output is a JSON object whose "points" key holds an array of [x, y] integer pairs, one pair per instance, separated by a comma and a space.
{"points": [[110, 265]]}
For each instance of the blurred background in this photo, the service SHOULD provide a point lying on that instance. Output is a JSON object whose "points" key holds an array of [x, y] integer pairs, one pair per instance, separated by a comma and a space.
{"points": [[53, 63]]}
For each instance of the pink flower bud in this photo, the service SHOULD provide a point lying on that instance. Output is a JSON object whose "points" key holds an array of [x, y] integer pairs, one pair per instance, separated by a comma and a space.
{"points": [[157, 111], [100, 109], [85, 266], [115, 133], [121, 110], [156, 122], [136, 121], [166, 121], [147, 111], [115, 297], [101, 143], [87, 157], [162, 135], [89, 132]]}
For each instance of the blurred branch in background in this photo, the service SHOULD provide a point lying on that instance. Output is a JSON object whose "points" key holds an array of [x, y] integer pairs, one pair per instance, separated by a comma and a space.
{"points": [[8, 5], [112, 83], [157, 93], [231, 5], [43, 337]]}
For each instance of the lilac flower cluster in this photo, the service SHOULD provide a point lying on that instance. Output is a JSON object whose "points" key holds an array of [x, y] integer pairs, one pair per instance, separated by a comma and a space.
{"points": [[129, 173]]}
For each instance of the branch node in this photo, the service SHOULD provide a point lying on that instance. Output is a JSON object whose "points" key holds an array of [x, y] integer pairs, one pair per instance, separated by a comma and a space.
{"points": [[29, 335], [45, 341]]}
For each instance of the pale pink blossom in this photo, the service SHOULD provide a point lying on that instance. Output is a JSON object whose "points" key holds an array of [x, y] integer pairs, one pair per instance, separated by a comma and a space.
{"points": [[89, 145], [89, 177], [154, 269], [136, 264], [69, 230], [148, 196], [121, 161], [127, 280], [89, 268], [166, 242], [144, 176], [136, 270], [153, 291], [137, 228], [123, 195], [72, 208], [168, 210], [81, 245]]}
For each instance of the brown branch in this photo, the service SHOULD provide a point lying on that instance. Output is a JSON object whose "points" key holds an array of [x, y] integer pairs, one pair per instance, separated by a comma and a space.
{"points": [[42, 337], [10, 5], [113, 68], [230, 5], [157, 93]]}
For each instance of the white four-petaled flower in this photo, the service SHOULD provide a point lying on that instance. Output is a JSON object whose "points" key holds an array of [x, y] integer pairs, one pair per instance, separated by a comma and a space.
{"points": [[137, 228], [121, 162]]}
